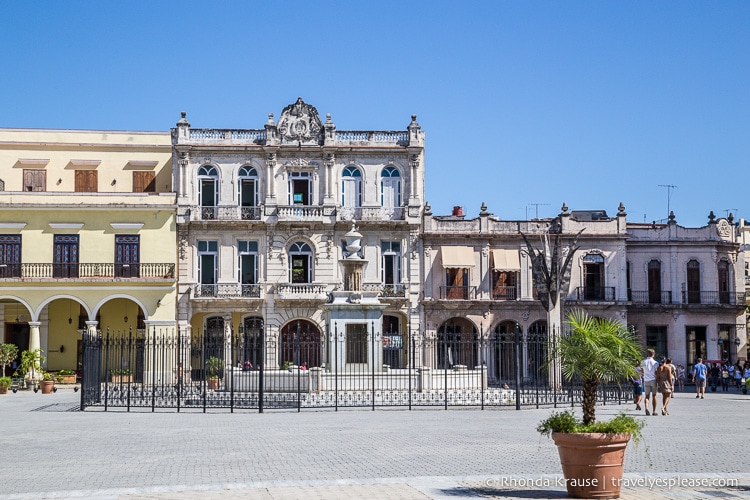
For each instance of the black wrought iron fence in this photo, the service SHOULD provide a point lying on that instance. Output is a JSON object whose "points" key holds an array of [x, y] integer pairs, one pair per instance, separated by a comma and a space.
{"points": [[302, 368]]}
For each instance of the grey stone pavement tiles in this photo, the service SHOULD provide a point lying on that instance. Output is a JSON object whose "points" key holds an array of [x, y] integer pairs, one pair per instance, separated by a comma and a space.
{"points": [[52, 451]]}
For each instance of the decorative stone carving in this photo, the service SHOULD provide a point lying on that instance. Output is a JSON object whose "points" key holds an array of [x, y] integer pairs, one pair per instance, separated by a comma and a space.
{"points": [[300, 123], [725, 230], [299, 162]]}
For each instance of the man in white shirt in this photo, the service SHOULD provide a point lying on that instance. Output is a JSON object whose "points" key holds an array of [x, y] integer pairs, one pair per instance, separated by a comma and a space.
{"points": [[649, 366]]}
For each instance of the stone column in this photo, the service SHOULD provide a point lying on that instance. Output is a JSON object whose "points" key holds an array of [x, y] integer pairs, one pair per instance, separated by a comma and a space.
{"points": [[328, 162], [270, 184], [34, 335]]}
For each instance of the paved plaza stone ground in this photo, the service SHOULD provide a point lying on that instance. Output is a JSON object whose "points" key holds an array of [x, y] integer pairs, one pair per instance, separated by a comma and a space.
{"points": [[50, 450]]}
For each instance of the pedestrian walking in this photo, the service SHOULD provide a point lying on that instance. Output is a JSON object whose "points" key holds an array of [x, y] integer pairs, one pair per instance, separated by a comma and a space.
{"points": [[665, 384], [680, 378], [649, 366], [638, 388], [673, 369], [699, 378], [738, 376], [724, 378]]}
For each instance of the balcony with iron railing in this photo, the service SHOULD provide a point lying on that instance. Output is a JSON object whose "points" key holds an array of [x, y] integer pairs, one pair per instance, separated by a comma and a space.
{"points": [[505, 293], [458, 292], [227, 290], [650, 297], [227, 213], [592, 294], [88, 271], [713, 298]]}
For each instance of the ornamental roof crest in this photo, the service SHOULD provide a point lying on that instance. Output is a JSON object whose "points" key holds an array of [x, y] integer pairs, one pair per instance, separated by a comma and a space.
{"points": [[300, 123]]}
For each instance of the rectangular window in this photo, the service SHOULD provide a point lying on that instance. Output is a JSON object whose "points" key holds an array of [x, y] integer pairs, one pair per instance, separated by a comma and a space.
{"points": [[391, 265], [656, 339], [34, 180], [356, 343], [300, 188], [10, 256], [207, 268], [457, 283], [144, 182], [300, 268], [248, 262], [66, 256], [504, 285], [86, 181], [127, 256]]}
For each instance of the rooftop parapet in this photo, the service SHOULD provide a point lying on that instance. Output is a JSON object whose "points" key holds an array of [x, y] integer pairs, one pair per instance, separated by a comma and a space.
{"points": [[298, 125]]}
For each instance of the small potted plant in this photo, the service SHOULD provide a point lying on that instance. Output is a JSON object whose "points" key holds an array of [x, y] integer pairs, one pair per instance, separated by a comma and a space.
{"points": [[213, 368], [5, 383], [120, 376], [47, 384], [65, 377], [592, 453]]}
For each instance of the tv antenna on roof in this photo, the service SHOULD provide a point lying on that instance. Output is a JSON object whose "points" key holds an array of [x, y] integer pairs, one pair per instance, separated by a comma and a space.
{"points": [[670, 188], [732, 211], [536, 205]]}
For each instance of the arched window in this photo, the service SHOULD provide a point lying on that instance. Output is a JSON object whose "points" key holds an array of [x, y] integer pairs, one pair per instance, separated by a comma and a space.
{"points": [[213, 348], [502, 367], [252, 342], [693, 282], [351, 191], [457, 344], [301, 343], [300, 263], [208, 191], [390, 188], [537, 343], [247, 192]]}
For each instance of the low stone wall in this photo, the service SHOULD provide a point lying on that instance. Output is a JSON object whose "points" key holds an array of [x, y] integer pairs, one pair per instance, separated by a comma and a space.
{"points": [[320, 380]]}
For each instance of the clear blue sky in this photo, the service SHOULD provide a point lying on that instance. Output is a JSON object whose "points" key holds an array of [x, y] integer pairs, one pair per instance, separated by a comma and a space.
{"points": [[588, 103]]}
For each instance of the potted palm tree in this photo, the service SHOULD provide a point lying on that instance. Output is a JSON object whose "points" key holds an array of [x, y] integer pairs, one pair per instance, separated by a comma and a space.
{"points": [[592, 453], [213, 368]]}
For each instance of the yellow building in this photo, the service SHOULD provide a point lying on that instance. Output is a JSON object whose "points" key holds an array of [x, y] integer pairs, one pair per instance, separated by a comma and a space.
{"points": [[87, 237]]}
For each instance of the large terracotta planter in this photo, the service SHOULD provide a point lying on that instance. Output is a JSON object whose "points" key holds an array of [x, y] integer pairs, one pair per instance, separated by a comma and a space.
{"points": [[46, 386], [592, 463], [213, 384]]}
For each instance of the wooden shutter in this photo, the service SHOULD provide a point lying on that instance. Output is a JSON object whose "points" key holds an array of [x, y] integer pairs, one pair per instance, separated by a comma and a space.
{"points": [[86, 181], [144, 182], [34, 180]]}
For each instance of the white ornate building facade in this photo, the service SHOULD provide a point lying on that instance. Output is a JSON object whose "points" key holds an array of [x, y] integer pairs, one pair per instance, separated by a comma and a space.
{"points": [[262, 216]]}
